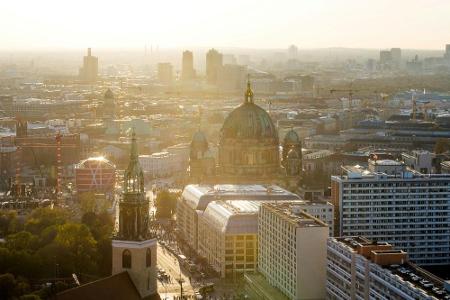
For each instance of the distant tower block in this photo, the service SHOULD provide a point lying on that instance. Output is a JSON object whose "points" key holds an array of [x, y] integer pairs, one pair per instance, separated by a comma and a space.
{"points": [[89, 71], [187, 66]]}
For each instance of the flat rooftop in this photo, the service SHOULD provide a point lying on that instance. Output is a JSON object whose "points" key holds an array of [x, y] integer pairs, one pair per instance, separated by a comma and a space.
{"points": [[408, 272], [293, 213]]}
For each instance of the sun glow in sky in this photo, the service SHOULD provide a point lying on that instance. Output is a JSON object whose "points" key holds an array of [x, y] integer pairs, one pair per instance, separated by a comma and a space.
{"points": [[28, 24]]}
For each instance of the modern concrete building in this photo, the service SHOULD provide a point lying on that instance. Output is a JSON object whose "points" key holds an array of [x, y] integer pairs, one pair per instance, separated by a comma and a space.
{"points": [[195, 199], [165, 72], [227, 236], [419, 160], [292, 250], [358, 268], [214, 62], [187, 66], [389, 202], [95, 174]]}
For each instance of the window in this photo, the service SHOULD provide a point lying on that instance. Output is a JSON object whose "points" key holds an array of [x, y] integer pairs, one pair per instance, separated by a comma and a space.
{"points": [[148, 258], [126, 259]]}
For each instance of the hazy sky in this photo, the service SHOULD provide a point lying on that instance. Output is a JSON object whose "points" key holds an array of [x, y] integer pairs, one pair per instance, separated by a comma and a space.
{"points": [[228, 23]]}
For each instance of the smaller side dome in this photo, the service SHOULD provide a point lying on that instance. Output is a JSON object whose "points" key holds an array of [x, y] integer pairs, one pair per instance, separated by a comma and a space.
{"points": [[292, 137], [199, 138], [293, 154], [198, 144]]}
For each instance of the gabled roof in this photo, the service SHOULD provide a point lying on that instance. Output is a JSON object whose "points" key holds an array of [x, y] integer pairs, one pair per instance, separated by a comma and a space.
{"points": [[115, 287]]}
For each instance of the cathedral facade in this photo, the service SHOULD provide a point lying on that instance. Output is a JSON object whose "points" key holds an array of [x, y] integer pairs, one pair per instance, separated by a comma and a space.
{"points": [[249, 150]]}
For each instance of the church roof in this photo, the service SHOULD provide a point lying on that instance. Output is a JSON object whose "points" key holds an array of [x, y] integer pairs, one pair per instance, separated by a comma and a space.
{"points": [[108, 94], [249, 121], [291, 137], [116, 287]]}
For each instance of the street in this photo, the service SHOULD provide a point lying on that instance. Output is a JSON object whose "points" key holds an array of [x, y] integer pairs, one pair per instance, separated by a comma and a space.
{"points": [[169, 263]]}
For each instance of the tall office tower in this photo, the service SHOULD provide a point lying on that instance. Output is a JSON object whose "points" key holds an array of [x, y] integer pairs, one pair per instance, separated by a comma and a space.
{"points": [[389, 202], [292, 250], [358, 268], [89, 70], [293, 52], [214, 62], [396, 56], [165, 72], [134, 246], [447, 51], [187, 66], [385, 57]]}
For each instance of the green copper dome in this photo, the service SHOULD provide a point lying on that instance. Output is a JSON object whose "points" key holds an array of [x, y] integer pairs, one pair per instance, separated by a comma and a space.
{"points": [[291, 137], [249, 121]]}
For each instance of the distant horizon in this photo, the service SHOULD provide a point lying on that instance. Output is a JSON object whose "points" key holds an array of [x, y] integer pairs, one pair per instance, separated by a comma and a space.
{"points": [[248, 24]]}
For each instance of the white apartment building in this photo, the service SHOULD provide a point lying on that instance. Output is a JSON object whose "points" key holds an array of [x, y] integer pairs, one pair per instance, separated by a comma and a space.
{"points": [[358, 268], [227, 232], [389, 202], [173, 160], [292, 250], [195, 199], [227, 236]]}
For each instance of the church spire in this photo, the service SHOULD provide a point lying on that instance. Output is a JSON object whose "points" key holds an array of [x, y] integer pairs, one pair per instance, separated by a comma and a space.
{"points": [[133, 150], [134, 177], [248, 93]]}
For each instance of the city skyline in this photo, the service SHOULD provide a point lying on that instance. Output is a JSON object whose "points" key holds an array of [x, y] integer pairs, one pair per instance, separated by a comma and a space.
{"points": [[322, 24]]}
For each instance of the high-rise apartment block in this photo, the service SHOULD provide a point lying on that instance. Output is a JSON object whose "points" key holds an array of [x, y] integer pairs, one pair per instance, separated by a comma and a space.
{"points": [[214, 62], [187, 66], [447, 51], [292, 250], [89, 70], [389, 202], [358, 268], [165, 72]]}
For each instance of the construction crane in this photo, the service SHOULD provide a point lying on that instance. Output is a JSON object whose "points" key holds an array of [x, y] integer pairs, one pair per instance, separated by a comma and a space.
{"points": [[350, 92]]}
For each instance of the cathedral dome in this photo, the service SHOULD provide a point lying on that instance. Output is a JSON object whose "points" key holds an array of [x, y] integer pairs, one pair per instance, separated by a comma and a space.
{"points": [[248, 147], [249, 121], [292, 137], [199, 145], [199, 141]]}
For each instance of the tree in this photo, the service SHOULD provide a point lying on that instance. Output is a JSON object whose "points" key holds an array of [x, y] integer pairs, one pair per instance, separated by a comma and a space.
{"points": [[165, 204], [22, 241], [8, 222], [441, 146], [7, 286], [77, 240], [87, 202], [42, 218]]}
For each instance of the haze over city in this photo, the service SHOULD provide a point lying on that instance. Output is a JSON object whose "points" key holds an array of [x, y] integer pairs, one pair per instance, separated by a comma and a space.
{"points": [[48, 24], [224, 150]]}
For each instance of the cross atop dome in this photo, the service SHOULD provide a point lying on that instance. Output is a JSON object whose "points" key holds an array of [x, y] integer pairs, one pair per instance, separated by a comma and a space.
{"points": [[248, 93]]}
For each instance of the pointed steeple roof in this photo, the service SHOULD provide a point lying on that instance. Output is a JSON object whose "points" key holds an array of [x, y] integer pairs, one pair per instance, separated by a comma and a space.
{"points": [[134, 177]]}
